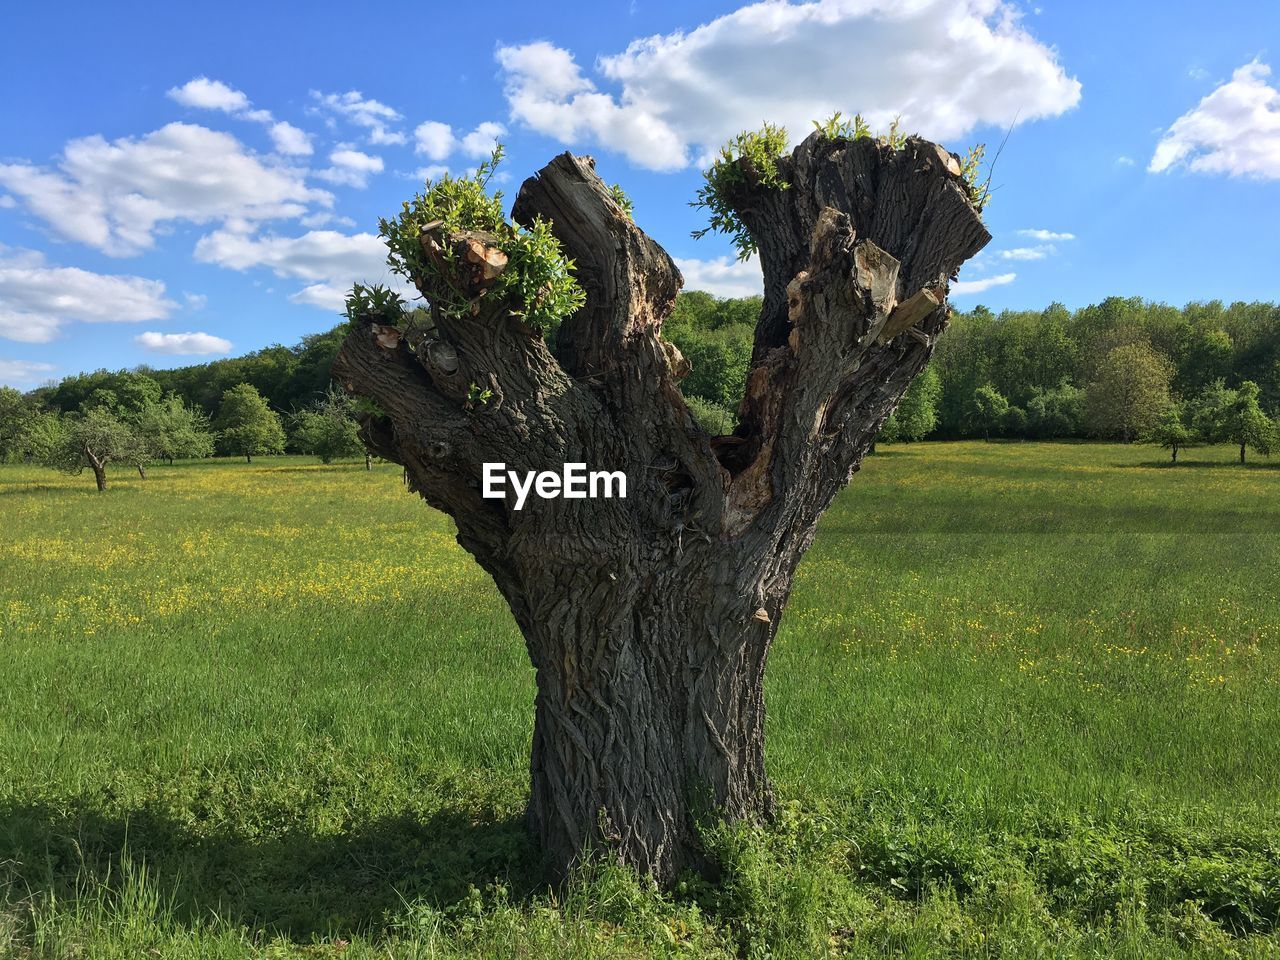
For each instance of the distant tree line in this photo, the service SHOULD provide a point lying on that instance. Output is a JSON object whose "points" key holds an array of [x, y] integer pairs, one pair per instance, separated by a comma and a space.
{"points": [[1125, 369], [137, 417]]}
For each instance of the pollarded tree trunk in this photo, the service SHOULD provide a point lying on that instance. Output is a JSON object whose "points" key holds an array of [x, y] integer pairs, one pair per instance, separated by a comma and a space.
{"points": [[649, 619]]}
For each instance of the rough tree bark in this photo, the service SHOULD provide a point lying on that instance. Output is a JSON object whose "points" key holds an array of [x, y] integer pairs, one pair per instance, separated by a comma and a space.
{"points": [[649, 619], [99, 468]]}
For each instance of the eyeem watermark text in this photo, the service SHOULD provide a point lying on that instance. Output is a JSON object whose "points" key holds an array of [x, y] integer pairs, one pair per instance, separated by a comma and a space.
{"points": [[574, 483]]}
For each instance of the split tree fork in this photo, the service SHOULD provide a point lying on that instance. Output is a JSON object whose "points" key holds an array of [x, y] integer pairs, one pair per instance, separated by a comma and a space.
{"points": [[649, 619]]}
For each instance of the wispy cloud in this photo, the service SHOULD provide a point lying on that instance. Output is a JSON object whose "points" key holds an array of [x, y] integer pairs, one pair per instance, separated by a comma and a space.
{"points": [[183, 344], [964, 288]]}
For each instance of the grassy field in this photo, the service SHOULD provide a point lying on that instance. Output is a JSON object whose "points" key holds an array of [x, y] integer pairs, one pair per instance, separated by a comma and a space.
{"points": [[1025, 702]]}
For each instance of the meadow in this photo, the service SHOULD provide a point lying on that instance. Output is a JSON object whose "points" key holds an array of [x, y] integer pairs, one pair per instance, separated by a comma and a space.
{"points": [[1025, 703]]}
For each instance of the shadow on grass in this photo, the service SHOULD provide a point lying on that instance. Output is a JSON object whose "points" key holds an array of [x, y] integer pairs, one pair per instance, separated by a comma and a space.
{"points": [[344, 466], [12, 489], [295, 884], [1015, 515], [1200, 464]]}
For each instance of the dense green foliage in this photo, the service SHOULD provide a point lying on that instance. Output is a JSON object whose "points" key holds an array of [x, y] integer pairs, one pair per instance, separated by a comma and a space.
{"points": [[1101, 371], [752, 154], [173, 431], [1129, 392], [16, 413], [1046, 364], [290, 377], [538, 278], [716, 337], [1171, 431], [917, 414], [328, 428], [246, 425], [92, 439], [999, 726]]}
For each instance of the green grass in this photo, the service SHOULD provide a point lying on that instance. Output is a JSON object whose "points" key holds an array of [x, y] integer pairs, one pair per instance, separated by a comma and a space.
{"points": [[1023, 704]]}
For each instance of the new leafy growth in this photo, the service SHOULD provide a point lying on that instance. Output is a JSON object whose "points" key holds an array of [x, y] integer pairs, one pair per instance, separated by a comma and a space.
{"points": [[751, 158], [537, 279]]}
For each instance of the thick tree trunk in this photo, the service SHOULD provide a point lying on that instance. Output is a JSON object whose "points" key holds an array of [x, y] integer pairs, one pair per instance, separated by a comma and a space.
{"points": [[649, 619], [650, 707]]}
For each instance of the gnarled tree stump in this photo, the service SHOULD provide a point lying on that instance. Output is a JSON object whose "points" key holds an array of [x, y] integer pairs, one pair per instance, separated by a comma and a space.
{"points": [[649, 619]]}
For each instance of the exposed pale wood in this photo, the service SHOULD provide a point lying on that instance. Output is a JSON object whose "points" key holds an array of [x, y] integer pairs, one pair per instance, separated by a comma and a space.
{"points": [[922, 303]]}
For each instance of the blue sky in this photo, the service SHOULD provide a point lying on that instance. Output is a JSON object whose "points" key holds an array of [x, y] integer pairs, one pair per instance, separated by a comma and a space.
{"points": [[180, 183]]}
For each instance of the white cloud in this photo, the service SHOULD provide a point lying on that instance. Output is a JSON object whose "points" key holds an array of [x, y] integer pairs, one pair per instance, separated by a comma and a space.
{"points": [[7, 202], [290, 140], [350, 167], [1234, 130], [205, 94], [316, 255], [945, 66], [328, 260], [326, 296], [437, 141], [432, 172], [323, 217], [114, 196], [379, 136], [195, 301], [723, 276], [434, 140], [21, 373], [363, 112], [481, 141], [1124, 161], [547, 92], [1027, 253], [37, 299], [963, 288], [183, 344], [1046, 236]]}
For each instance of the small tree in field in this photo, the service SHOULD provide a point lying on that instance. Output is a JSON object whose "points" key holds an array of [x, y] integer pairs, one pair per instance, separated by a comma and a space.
{"points": [[648, 618], [1171, 431], [93, 439], [1247, 425], [173, 431], [328, 429], [246, 425]]}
